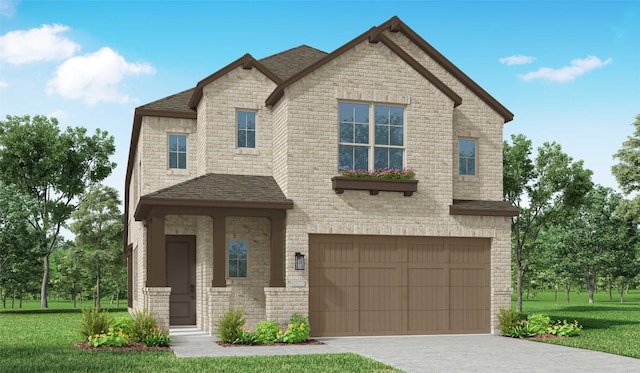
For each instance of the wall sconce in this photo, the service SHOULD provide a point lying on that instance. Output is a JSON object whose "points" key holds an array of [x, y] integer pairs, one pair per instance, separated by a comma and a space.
{"points": [[299, 261]]}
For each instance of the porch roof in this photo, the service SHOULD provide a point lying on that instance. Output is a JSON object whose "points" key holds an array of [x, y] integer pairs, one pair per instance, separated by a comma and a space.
{"points": [[217, 191]]}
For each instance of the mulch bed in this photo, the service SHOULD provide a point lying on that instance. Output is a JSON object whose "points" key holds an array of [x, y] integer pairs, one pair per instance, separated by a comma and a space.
{"points": [[307, 342], [131, 347], [545, 336]]}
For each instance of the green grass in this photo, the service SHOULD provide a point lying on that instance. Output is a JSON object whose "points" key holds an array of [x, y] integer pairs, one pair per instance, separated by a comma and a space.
{"points": [[609, 326], [35, 341]]}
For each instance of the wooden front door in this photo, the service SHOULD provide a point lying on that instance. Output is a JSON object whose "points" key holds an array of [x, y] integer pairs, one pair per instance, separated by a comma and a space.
{"points": [[181, 277]]}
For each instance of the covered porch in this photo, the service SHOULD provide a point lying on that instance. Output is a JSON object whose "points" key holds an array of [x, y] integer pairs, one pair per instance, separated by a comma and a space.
{"points": [[189, 227]]}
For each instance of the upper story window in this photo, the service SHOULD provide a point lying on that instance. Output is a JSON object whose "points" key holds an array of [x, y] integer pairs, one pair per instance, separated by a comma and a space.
{"points": [[237, 258], [467, 156], [178, 151], [371, 136], [246, 129]]}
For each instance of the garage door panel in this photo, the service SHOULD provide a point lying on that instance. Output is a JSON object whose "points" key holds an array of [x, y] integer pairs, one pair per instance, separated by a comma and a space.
{"points": [[398, 285]]}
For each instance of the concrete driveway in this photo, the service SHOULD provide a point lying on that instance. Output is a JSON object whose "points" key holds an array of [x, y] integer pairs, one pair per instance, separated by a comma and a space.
{"points": [[480, 353], [436, 353]]}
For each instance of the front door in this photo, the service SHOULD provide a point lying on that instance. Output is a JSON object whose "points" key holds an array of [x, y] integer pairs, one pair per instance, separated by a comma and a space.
{"points": [[181, 277]]}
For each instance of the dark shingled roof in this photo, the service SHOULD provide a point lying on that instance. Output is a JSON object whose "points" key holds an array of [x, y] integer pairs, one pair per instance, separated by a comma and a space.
{"points": [[482, 208], [217, 190], [178, 102], [290, 62], [224, 187]]}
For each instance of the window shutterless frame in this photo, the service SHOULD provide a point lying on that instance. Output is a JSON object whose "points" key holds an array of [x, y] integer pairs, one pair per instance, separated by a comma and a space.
{"points": [[467, 156], [177, 151], [245, 129], [371, 136]]}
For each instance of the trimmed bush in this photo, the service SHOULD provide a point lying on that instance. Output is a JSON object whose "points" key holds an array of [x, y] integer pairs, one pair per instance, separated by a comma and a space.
{"points": [[538, 323], [266, 332]]}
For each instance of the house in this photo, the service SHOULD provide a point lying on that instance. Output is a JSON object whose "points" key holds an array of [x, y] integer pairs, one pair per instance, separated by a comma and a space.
{"points": [[234, 198]]}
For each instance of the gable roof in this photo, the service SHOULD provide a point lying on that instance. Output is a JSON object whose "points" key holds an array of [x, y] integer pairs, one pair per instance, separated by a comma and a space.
{"points": [[373, 35], [395, 24], [218, 190]]}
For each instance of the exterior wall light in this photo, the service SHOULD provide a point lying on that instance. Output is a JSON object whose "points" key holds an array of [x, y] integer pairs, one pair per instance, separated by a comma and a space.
{"points": [[299, 261]]}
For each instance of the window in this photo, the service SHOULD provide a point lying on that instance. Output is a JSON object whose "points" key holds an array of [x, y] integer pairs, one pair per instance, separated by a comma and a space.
{"points": [[246, 129], [237, 258], [371, 136], [467, 156], [178, 151]]}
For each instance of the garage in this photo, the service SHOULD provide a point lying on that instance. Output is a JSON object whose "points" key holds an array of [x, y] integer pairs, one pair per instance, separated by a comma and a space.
{"points": [[394, 285]]}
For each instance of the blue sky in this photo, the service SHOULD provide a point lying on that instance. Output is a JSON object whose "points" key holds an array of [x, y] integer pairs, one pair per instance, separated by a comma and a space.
{"points": [[568, 70]]}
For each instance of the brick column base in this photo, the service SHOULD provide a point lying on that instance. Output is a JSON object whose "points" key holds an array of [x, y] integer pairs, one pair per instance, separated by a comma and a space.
{"points": [[218, 305], [281, 303], [156, 300]]}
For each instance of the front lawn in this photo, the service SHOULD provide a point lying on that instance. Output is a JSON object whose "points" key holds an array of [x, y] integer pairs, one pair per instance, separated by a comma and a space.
{"points": [[34, 341], [609, 326]]}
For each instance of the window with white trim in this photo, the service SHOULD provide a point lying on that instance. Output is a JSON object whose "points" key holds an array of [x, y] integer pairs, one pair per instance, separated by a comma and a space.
{"points": [[246, 125], [371, 136], [467, 157], [178, 151]]}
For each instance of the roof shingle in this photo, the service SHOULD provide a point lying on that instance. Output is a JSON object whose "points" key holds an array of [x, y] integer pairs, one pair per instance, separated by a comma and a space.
{"points": [[288, 63]]}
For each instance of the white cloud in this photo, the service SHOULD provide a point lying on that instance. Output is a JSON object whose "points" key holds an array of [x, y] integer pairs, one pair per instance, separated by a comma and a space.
{"points": [[60, 115], [95, 77], [516, 60], [8, 7], [567, 73], [3, 84], [36, 44]]}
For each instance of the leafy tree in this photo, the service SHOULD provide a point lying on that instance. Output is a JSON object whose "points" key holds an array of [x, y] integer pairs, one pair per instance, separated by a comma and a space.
{"points": [[18, 254], [544, 190], [98, 226], [597, 240], [627, 171], [68, 277], [53, 168]]}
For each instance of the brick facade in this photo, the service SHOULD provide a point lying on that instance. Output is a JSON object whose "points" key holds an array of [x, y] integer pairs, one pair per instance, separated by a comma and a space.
{"points": [[297, 144]]}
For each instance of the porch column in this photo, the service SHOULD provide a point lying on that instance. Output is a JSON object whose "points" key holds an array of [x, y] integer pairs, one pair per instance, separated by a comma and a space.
{"points": [[156, 252], [219, 251], [276, 254]]}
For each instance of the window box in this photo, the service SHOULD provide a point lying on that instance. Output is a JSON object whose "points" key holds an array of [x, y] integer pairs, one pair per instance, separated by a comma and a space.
{"points": [[373, 185]]}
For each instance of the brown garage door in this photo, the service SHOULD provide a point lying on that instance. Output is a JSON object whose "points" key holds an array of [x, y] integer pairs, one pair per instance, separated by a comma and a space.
{"points": [[383, 285]]}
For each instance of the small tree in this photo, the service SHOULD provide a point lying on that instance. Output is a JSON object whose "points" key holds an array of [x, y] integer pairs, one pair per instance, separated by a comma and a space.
{"points": [[544, 190], [98, 228]]}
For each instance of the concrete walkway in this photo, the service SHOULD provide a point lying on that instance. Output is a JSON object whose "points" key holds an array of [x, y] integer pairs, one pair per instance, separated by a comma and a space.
{"points": [[444, 353]]}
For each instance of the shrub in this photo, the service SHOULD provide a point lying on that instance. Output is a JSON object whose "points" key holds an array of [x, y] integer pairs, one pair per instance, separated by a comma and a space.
{"points": [[94, 322], [245, 338], [297, 330], [564, 329], [266, 332], [538, 323], [109, 339], [123, 323], [230, 325], [143, 324], [510, 322], [157, 338]]}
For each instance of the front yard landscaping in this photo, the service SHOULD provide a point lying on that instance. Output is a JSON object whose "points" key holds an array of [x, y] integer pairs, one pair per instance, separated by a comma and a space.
{"points": [[44, 341]]}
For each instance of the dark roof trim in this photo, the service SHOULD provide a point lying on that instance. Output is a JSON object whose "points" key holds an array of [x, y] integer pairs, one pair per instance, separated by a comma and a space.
{"points": [[395, 24], [146, 204], [247, 62], [374, 35], [482, 208]]}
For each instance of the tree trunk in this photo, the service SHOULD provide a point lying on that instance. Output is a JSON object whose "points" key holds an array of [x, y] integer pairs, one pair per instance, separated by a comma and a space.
{"points": [[519, 289], [590, 281], [567, 291], [609, 286], [20, 299], [556, 295], [45, 282], [97, 302], [73, 298], [621, 293]]}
